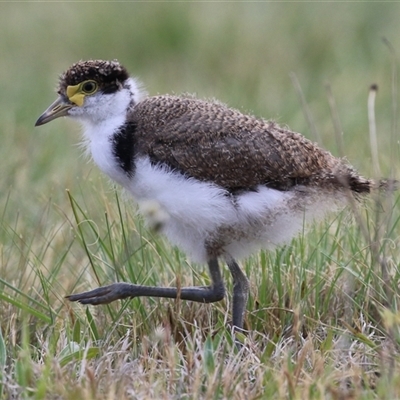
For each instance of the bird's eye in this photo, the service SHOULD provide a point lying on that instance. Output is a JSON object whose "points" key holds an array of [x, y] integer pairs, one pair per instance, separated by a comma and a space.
{"points": [[89, 87]]}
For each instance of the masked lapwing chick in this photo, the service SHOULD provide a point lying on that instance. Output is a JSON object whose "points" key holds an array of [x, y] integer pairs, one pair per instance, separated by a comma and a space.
{"points": [[226, 184]]}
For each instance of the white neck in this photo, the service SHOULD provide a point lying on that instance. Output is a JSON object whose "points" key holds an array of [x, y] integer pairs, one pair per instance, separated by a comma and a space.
{"points": [[108, 111], [100, 117]]}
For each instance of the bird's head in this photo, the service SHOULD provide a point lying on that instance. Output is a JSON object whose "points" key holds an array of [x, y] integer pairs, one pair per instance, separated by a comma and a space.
{"points": [[92, 91]]}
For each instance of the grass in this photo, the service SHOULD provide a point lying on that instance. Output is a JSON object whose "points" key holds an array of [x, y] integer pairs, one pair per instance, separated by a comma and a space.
{"points": [[323, 315]]}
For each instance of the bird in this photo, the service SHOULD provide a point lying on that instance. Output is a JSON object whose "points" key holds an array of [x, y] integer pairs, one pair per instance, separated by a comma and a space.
{"points": [[228, 183]]}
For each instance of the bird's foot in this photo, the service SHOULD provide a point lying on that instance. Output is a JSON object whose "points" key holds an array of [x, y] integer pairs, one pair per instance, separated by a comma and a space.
{"points": [[103, 295]]}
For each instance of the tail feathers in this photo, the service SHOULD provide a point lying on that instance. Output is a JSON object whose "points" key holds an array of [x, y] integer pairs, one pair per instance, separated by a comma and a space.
{"points": [[361, 185]]}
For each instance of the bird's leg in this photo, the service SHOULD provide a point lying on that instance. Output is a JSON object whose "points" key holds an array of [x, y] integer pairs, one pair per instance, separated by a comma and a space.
{"points": [[241, 289], [122, 290]]}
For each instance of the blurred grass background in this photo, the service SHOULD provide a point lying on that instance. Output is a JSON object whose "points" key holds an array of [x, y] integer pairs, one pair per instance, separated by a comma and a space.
{"points": [[240, 53]]}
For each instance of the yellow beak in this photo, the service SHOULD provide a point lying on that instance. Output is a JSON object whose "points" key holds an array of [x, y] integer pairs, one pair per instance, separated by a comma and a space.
{"points": [[58, 109]]}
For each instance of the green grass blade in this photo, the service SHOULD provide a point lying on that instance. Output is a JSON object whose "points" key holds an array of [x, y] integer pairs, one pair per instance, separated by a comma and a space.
{"points": [[25, 307]]}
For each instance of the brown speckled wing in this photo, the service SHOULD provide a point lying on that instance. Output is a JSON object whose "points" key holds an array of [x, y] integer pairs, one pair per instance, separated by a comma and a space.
{"points": [[211, 142]]}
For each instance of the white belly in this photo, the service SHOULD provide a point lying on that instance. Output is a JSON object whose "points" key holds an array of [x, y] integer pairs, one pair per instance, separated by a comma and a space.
{"points": [[259, 219]]}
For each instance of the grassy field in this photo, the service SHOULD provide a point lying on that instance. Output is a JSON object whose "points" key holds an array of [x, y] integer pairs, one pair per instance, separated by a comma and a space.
{"points": [[323, 317]]}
